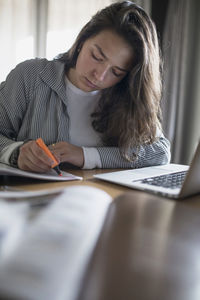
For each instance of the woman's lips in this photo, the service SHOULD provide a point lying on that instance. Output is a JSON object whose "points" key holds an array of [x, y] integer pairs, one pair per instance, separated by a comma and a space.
{"points": [[90, 84]]}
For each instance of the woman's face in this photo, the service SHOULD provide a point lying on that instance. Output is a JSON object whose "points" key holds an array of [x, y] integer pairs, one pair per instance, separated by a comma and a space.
{"points": [[103, 61]]}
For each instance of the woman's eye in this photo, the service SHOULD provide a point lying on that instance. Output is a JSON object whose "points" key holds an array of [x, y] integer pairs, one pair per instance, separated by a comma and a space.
{"points": [[96, 58], [116, 74]]}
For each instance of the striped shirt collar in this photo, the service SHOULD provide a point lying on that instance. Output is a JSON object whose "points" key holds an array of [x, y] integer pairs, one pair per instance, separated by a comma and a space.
{"points": [[54, 76]]}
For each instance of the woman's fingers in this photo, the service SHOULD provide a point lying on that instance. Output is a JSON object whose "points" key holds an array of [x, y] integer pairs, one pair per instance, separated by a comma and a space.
{"points": [[67, 152], [33, 158]]}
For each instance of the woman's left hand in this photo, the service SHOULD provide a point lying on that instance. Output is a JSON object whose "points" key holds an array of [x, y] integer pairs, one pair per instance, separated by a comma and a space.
{"points": [[67, 152]]}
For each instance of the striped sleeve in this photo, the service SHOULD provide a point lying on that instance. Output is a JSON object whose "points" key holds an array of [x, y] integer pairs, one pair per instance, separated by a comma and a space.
{"points": [[12, 106], [15, 94], [157, 153], [7, 151]]}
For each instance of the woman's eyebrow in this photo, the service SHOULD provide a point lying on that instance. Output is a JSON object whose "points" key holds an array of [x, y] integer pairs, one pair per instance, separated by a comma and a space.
{"points": [[104, 56], [101, 51]]}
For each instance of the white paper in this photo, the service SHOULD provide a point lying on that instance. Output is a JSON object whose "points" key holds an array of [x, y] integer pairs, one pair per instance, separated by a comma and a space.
{"points": [[13, 218], [19, 193], [52, 256], [51, 175]]}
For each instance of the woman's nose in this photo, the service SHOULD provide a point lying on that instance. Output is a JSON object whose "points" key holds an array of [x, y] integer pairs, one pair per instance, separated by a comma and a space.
{"points": [[101, 72]]}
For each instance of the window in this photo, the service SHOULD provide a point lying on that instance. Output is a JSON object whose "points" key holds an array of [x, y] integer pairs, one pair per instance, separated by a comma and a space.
{"points": [[40, 28]]}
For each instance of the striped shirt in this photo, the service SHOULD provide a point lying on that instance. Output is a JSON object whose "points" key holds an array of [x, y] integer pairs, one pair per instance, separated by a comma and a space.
{"points": [[33, 104]]}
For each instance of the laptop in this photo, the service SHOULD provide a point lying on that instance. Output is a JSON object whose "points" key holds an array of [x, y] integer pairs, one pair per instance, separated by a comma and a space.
{"points": [[171, 180]]}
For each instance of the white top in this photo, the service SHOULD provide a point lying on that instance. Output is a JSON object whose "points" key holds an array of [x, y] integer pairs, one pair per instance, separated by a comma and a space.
{"points": [[81, 133], [80, 105]]}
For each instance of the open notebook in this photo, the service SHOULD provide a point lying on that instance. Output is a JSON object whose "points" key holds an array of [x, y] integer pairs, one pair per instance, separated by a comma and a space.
{"points": [[171, 180], [51, 175]]}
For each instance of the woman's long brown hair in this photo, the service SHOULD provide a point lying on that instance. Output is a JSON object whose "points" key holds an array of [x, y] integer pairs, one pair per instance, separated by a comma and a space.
{"points": [[128, 114]]}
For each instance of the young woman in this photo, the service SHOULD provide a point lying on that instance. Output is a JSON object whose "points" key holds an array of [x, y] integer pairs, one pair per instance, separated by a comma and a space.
{"points": [[95, 106]]}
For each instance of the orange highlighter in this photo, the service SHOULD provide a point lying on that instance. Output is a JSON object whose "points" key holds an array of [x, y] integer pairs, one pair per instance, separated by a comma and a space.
{"points": [[42, 145]]}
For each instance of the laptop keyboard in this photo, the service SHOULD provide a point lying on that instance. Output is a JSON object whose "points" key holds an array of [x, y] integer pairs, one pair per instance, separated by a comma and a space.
{"points": [[172, 181]]}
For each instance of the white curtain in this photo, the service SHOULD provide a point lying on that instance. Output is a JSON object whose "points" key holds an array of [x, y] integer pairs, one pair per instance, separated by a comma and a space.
{"points": [[16, 33], [42, 28], [181, 98], [65, 20]]}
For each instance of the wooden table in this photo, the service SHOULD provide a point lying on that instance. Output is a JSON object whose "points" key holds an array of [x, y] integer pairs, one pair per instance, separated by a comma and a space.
{"points": [[149, 247], [113, 190], [88, 180]]}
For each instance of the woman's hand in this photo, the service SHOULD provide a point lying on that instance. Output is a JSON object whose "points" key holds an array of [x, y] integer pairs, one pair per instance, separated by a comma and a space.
{"points": [[33, 158], [67, 152]]}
